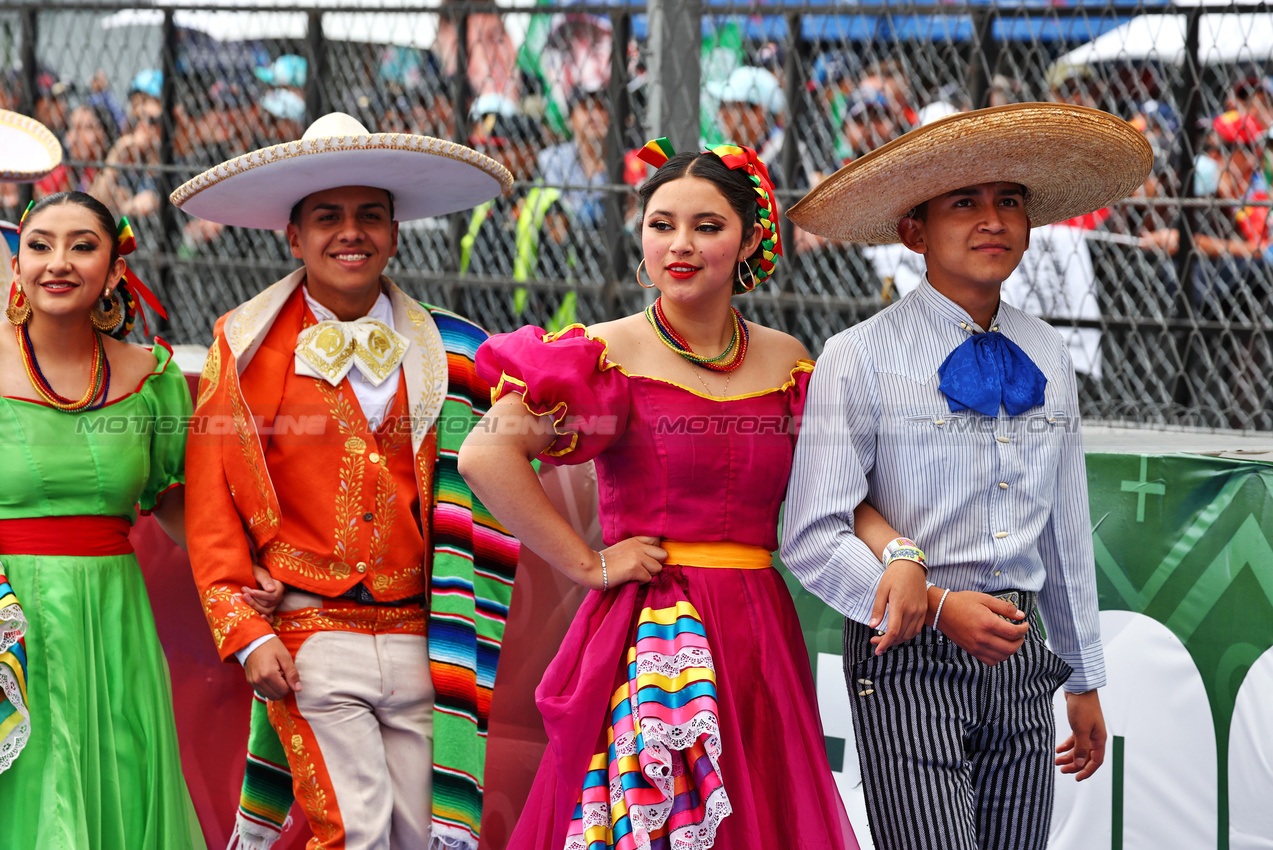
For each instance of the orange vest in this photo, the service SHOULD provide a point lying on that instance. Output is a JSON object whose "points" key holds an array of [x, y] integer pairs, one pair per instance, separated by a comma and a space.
{"points": [[349, 506]]}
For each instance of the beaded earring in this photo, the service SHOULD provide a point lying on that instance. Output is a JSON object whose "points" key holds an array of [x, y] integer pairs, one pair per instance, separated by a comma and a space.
{"points": [[19, 310], [107, 315]]}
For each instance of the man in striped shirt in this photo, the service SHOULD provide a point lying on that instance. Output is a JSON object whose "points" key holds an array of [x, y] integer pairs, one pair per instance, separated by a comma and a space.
{"points": [[956, 416]]}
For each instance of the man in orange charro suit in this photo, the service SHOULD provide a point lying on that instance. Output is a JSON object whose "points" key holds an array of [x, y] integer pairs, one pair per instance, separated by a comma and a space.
{"points": [[323, 451]]}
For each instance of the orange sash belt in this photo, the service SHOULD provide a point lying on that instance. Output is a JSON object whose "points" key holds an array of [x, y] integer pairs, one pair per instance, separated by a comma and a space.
{"points": [[65, 535], [724, 554]]}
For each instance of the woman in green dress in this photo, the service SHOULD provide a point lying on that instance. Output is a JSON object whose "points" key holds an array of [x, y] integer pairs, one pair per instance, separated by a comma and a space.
{"points": [[90, 428]]}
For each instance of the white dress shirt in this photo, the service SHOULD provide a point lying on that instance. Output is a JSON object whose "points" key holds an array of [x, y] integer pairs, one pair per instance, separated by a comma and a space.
{"points": [[996, 503]]}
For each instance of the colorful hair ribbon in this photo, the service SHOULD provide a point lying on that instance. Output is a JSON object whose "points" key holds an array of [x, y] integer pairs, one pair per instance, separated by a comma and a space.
{"points": [[656, 152], [737, 156], [126, 241], [26, 212]]}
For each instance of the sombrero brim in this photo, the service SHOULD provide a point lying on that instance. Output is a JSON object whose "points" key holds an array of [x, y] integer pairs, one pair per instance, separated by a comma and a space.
{"points": [[427, 177], [1071, 159], [28, 150]]}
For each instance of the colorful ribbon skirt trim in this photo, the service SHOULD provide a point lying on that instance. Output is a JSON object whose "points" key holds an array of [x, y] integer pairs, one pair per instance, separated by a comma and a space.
{"points": [[86, 536], [655, 780], [15, 720]]}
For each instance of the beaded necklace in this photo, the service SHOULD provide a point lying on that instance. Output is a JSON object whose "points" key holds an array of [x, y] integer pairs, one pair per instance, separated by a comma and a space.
{"points": [[100, 385], [727, 361]]}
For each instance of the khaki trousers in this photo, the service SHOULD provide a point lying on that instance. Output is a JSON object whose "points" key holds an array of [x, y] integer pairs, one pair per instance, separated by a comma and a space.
{"points": [[359, 733]]}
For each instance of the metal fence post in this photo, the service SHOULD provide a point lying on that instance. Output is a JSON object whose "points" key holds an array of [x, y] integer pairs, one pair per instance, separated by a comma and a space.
{"points": [[794, 88], [676, 44], [1190, 135], [616, 135], [984, 58], [317, 66], [169, 232], [461, 95], [30, 74]]}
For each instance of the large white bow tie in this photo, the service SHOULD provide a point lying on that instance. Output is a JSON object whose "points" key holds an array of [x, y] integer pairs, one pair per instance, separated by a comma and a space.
{"points": [[328, 350]]}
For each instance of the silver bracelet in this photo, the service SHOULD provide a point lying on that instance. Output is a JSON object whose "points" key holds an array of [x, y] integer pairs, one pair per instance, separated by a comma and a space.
{"points": [[942, 602], [605, 578]]}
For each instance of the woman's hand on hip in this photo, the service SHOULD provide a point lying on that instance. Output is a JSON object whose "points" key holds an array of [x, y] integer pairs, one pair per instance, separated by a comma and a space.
{"points": [[636, 559]]}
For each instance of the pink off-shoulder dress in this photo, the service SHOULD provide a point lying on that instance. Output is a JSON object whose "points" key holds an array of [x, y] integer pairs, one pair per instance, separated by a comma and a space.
{"points": [[750, 768]]}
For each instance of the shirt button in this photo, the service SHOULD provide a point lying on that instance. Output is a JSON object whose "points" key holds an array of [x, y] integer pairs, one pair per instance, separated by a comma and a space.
{"points": [[373, 457], [1001, 534], [368, 517], [1004, 439], [996, 572], [361, 566], [1003, 485]]}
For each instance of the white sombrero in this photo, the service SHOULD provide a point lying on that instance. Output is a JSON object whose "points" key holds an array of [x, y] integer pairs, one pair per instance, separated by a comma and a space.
{"points": [[28, 150], [1071, 159], [427, 176]]}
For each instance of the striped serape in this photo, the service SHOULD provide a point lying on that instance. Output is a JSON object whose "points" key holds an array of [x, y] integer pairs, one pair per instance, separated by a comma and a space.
{"points": [[266, 797]]}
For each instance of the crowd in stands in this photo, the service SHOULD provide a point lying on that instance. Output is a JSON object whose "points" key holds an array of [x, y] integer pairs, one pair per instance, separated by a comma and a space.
{"points": [[549, 123]]}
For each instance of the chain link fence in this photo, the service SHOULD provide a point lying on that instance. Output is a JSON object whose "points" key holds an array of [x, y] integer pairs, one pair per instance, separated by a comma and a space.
{"points": [[1164, 297]]}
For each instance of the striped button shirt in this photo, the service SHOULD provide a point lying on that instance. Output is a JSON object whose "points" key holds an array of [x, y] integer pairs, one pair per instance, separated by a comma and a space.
{"points": [[995, 503]]}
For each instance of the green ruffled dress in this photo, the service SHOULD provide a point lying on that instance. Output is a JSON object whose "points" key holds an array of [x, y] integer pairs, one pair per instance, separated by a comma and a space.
{"points": [[101, 769]]}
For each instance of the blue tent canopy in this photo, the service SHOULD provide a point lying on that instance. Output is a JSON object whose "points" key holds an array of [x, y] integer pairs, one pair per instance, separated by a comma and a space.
{"points": [[896, 20]]}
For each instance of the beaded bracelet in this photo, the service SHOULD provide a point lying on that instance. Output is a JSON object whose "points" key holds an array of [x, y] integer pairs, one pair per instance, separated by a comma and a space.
{"points": [[605, 579], [903, 548], [940, 603]]}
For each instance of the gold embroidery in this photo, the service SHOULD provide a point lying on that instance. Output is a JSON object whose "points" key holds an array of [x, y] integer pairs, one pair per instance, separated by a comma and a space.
{"points": [[211, 374], [214, 600], [394, 440], [279, 558], [266, 516], [305, 781], [349, 491], [427, 374], [367, 619]]}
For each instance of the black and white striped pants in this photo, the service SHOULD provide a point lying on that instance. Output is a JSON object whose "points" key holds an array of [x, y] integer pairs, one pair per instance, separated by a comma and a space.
{"points": [[956, 755]]}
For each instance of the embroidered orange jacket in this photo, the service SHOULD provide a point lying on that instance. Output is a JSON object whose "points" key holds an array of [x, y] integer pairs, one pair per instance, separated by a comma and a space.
{"points": [[325, 502]]}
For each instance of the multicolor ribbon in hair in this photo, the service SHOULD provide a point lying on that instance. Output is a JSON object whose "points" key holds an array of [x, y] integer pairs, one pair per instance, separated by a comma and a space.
{"points": [[658, 151], [126, 242], [737, 156]]}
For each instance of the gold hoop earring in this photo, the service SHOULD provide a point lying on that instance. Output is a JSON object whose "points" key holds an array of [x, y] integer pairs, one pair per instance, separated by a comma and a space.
{"points": [[639, 283], [19, 310], [107, 315], [742, 284]]}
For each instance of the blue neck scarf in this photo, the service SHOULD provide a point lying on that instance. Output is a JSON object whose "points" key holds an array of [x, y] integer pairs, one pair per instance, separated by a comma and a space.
{"points": [[988, 369]]}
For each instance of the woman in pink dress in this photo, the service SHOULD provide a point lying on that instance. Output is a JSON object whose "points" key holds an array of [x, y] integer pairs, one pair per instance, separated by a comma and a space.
{"points": [[680, 709]]}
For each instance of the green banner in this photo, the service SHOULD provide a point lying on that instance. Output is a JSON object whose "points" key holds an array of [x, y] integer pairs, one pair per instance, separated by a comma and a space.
{"points": [[1182, 539]]}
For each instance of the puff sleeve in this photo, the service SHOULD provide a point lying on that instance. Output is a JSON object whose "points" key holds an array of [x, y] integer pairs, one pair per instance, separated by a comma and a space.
{"points": [[168, 398], [564, 375]]}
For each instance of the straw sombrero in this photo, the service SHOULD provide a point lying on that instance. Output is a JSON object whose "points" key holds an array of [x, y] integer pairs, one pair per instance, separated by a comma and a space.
{"points": [[427, 176], [28, 150], [1071, 159]]}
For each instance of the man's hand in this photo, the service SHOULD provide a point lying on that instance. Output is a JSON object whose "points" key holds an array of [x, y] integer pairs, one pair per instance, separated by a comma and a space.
{"points": [[1084, 751], [270, 670], [266, 598], [974, 622], [902, 595]]}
